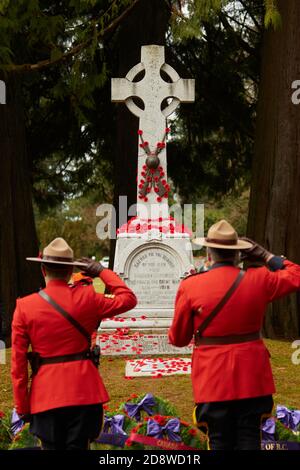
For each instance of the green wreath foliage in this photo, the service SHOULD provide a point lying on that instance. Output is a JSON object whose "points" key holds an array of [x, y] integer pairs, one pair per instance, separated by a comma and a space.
{"points": [[282, 433], [23, 439], [161, 407], [190, 435]]}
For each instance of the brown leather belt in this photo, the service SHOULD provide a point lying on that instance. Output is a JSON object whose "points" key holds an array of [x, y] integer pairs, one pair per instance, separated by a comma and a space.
{"points": [[230, 339], [66, 358], [36, 361]]}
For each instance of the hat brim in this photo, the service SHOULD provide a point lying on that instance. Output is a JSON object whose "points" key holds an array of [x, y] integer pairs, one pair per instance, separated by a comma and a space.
{"points": [[47, 261], [240, 245]]}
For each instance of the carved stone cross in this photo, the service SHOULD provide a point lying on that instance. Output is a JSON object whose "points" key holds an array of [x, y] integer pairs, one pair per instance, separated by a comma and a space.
{"points": [[153, 90]]}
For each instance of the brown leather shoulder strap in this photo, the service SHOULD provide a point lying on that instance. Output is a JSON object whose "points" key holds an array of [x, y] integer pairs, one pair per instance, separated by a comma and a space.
{"points": [[66, 315], [221, 304]]}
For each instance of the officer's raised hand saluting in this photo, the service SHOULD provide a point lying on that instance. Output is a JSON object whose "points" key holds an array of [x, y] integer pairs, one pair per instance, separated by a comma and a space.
{"points": [[223, 309], [66, 393], [92, 268]]}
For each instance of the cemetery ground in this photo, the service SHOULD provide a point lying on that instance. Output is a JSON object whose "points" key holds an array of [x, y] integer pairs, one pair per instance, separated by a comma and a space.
{"points": [[176, 389]]}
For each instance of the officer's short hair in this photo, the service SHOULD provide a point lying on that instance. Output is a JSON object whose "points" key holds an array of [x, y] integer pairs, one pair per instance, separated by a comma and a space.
{"points": [[223, 254], [57, 271]]}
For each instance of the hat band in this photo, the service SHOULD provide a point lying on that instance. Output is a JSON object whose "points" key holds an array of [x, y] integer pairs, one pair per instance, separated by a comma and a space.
{"points": [[221, 242], [57, 258]]}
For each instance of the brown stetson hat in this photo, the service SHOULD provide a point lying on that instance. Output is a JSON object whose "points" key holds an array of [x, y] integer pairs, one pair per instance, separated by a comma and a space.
{"points": [[222, 235], [58, 252]]}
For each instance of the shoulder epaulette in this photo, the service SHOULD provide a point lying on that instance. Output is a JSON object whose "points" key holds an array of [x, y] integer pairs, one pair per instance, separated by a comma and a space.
{"points": [[109, 296], [194, 274]]}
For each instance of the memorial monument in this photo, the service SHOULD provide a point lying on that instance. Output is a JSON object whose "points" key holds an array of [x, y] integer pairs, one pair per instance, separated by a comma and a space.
{"points": [[153, 251]]}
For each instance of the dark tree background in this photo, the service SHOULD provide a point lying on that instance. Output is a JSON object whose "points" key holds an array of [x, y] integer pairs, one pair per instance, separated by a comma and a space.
{"points": [[17, 229], [274, 214], [64, 146], [147, 24]]}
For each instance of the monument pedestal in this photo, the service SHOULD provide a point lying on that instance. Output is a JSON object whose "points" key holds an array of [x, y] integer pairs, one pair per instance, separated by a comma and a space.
{"points": [[152, 264]]}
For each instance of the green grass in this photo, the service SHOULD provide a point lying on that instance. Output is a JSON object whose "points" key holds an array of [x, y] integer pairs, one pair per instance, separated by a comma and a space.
{"points": [[98, 285], [177, 389]]}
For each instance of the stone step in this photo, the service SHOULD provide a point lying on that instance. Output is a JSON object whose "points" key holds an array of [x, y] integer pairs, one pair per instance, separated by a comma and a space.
{"points": [[135, 324], [138, 343], [150, 312]]}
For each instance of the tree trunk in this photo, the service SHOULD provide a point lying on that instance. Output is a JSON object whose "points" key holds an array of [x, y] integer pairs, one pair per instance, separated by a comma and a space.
{"points": [[17, 230], [274, 213], [147, 24]]}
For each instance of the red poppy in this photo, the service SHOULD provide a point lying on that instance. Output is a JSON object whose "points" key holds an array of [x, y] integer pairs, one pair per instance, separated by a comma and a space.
{"points": [[160, 419]]}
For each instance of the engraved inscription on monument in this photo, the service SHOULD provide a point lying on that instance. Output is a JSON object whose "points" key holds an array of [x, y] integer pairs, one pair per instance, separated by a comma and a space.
{"points": [[154, 275]]}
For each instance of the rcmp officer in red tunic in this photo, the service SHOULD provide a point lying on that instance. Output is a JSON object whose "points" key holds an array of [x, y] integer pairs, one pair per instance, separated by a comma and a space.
{"points": [[223, 309], [64, 402]]}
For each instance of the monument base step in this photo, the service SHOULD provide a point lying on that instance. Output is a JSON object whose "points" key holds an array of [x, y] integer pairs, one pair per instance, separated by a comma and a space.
{"points": [[120, 343], [135, 324]]}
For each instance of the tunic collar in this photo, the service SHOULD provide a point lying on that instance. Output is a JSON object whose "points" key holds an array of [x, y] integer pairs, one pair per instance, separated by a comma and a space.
{"points": [[56, 282], [221, 264]]}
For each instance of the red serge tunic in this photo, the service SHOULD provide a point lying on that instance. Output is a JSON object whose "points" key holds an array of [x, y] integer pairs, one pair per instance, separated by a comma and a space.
{"points": [[37, 323], [235, 371]]}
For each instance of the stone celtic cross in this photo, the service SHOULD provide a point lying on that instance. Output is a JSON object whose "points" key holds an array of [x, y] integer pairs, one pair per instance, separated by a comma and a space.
{"points": [[153, 90]]}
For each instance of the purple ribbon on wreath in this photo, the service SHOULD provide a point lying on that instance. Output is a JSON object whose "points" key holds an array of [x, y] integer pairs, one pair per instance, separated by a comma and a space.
{"points": [[171, 429], [134, 409], [114, 424], [289, 418], [268, 430], [16, 423]]}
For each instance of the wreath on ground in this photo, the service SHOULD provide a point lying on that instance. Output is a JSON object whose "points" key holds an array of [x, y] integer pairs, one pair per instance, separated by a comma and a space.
{"points": [[165, 432], [151, 422], [24, 439], [118, 425], [282, 430], [147, 422]]}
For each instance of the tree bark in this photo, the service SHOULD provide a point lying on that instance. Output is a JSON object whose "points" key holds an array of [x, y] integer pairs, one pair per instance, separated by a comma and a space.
{"points": [[274, 213], [17, 230], [147, 24]]}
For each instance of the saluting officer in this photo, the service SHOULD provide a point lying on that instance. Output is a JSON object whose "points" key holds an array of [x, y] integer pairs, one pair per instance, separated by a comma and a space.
{"points": [[224, 309], [64, 404]]}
